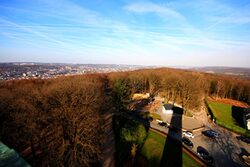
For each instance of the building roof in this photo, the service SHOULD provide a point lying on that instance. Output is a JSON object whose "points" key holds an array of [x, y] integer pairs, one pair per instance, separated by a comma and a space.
{"points": [[10, 158]]}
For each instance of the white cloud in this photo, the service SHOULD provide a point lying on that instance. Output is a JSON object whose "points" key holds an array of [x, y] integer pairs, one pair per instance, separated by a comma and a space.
{"points": [[84, 34], [233, 19], [149, 7]]}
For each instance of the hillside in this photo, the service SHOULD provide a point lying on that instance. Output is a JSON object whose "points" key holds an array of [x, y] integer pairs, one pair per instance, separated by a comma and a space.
{"points": [[56, 117]]}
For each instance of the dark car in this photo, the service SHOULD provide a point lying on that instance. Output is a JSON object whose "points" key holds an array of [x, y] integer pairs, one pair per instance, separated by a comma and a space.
{"points": [[210, 133], [203, 153], [187, 142], [162, 123], [244, 139], [216, 134]]}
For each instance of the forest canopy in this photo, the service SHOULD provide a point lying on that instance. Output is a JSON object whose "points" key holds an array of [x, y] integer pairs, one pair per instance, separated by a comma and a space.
{"points": [[62, 119]]}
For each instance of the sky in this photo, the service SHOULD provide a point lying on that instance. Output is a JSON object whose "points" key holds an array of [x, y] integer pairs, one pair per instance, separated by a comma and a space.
{"points": [[138, 32]]}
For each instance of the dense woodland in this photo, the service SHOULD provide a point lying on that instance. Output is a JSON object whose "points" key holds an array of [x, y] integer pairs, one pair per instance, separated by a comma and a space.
{"points": [[60, 120], [184, 87]]}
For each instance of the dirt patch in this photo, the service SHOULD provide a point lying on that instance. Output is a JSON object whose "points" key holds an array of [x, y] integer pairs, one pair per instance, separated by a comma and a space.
{"points": [[229, 101], [139, 96], [145, 105]]}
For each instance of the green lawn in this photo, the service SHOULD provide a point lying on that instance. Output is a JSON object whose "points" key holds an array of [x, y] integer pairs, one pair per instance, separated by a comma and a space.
{"points": [[148, 114], [223, 114], [153, 148], [155, 116]]}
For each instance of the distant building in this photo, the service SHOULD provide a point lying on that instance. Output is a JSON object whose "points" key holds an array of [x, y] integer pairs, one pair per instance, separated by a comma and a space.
{"points": [[246, 118], [167, 109]]}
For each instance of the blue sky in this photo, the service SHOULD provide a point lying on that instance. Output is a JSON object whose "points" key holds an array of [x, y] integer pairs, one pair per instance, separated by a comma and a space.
{"points": [[160, 32]]}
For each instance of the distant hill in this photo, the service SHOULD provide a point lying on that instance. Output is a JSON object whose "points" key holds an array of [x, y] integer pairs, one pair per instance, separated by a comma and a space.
{"points": [[235, 71]]}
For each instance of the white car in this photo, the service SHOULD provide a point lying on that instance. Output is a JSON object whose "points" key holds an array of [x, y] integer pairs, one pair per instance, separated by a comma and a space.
{"points": [[188, 134]]}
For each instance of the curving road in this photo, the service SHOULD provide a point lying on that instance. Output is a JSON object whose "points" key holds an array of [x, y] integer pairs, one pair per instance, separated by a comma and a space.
{"points": [[224, 149]]}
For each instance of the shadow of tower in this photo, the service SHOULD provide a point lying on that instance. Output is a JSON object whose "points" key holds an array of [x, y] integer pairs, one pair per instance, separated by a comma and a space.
{"points": [[172, 153]]}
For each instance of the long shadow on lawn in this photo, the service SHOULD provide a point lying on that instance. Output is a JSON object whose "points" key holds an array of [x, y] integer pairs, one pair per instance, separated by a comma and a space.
{"points": [[172, 153], [237, 114]]}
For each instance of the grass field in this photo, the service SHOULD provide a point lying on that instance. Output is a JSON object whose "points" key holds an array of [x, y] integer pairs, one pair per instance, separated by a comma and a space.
{"points": [[148, 114], [153, 148], [223, 114]]}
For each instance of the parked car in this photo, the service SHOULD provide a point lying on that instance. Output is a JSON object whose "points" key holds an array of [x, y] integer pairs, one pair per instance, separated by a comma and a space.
{"points": [[187, 142], [188, 134], [203, 153], [210, 133], [244, 139], [162, 123], [216, 134]]}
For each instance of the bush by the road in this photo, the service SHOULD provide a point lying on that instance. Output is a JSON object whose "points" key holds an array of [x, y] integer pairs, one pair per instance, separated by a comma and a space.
{"points": [[133, 132]]}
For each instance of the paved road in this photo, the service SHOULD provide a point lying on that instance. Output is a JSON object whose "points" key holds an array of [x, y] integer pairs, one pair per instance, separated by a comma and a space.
{"points": [[223, 156], [224, 150]]}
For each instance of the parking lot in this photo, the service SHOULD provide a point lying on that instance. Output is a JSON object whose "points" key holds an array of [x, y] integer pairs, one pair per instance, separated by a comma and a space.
{"points": [[188, 123], [225, 149]]}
